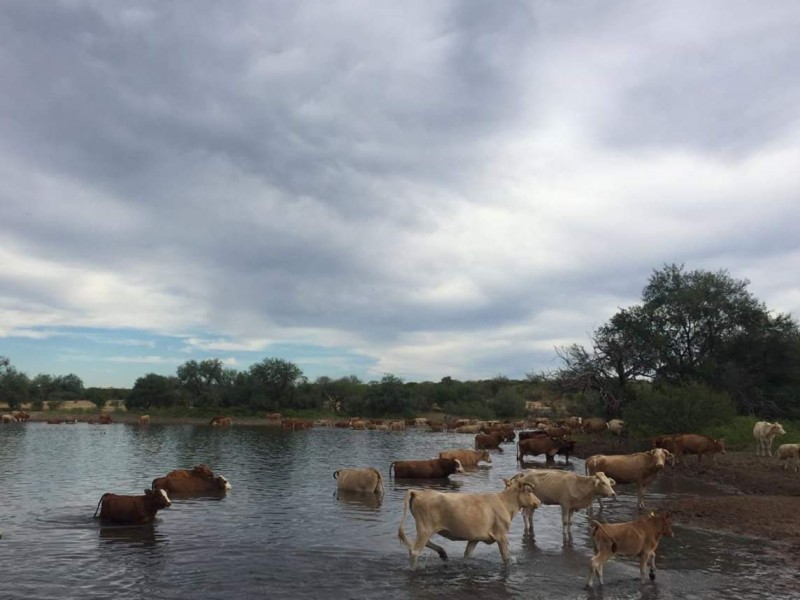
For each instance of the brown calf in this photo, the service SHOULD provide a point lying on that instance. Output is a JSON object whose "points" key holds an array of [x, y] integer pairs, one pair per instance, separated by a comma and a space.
{"points": [[132, 510]]}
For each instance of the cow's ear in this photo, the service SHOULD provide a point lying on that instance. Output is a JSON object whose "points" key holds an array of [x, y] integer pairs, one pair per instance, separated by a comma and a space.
{"points": [[611, 481], [506, 482], [148, 492]]}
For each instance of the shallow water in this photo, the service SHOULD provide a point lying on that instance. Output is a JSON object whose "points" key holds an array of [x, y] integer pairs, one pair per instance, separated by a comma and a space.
{"points": [[283, 532]]}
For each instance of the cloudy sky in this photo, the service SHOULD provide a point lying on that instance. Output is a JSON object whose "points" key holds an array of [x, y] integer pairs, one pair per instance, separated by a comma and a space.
{"points": [[423, 188]]}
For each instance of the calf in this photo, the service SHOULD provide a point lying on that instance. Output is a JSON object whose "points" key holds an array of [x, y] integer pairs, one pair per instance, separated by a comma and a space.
{"points": [[542, 445], [470, 518], [765, 432], [594, 425], [789, 453], [489, 441], [435, 468], [366, 480], [640, 468], [693, 443], [634, 538], [132, 510], [569, 490]]}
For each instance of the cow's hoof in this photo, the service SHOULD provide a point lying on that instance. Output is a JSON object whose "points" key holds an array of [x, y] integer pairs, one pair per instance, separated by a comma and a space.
{"points": [[652, 575]]}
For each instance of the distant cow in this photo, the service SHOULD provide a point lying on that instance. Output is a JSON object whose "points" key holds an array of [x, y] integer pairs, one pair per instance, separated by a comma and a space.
{"points": [[569, 490], [191, 485], [469, 459], [7, 418], [541, 445], [435, 468], [634, 538], [132, 510], [470, 518], [144, 420], [765, 432], [489, 441], [640, 468], [21, 415], [594, 425], [667, 442], [616, 426], [468, 429], [693, 443], [220, 421], [790, 453], [367, 480]]}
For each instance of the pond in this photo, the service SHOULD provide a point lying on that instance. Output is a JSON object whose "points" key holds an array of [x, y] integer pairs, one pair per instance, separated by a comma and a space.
{"points": [[282, 532]]}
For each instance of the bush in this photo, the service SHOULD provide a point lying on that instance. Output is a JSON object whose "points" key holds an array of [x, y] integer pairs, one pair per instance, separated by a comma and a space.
{"points": [[678, 409], [507, 404]]}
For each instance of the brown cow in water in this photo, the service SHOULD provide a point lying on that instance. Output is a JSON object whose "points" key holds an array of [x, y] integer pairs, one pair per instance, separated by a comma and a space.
{"points": [[634, 538], [489, 441], [542, 444], [469, 459], [144, 420], [21, 415], [132, 510], [191, 485], [220, 421], [196, 471], [435, 468], [640, 468]]}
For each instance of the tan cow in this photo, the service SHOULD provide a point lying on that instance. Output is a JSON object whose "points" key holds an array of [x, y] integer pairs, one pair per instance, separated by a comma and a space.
{"points": [[634, 538], [220, 421], [567, 489], [640, 468], [668, 443], [367, 480], [594, 425], [693, 443], [789, 453], [7, 418], [616, 426], [765, 432], [470, 518], [469, 459], [144, 420], [468, 429]]}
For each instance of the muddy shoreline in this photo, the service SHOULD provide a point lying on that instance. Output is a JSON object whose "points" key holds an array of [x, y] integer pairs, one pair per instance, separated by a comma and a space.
{"points": [[757, 496]]}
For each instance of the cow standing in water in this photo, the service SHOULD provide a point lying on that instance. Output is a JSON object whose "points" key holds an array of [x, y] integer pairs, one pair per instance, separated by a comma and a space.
{"points": [[132, 510]]}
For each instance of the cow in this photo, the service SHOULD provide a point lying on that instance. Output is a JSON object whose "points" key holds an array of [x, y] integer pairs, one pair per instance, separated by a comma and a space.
{"points": [[468, 429], [7, 418], [573, 423], [566, 449], [765, 432], [640, 468], [567, 489], [21, 415], [220, 421], [667, 442], [367, 480], [634, 538], [132, 510], [693, 443], [196, 471], [541, 445], [191, 485], [616, 426], [469, 459], [789, 453], [489, 441], [144, 420], [526, 435], [594, 425], [556, 431], [435, 468], [470, 518], [397, 425]]}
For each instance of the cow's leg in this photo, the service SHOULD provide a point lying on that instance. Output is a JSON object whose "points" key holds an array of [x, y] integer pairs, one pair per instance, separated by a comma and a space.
{"points": [[596, 567], [640, 497], [527, 519], [565, 522], [769, 446], [422, 540], [470, 547], [502, 545], [643, 560], [652, 566], [439, 550]]}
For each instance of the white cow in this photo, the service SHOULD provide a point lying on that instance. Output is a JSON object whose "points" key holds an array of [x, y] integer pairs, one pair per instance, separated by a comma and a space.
{"points": [[765, 432], [470, 518], [789, 453], [367, 480], [565, 488]]}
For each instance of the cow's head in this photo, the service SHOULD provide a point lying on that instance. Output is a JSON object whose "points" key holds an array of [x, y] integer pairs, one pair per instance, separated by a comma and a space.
{"points": [[524, 490], [778, 429], [604, 485], [661, 456], [485, 456], [459, 466], [223, 483], [159, 498], [719, 446], [664, 521]]}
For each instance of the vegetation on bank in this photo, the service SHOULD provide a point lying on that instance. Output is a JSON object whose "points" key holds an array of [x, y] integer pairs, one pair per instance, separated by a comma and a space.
{"points": [[697, 354]]}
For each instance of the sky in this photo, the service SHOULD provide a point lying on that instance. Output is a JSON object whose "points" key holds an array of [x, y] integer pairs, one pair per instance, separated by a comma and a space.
{"points": [[422, 188]]}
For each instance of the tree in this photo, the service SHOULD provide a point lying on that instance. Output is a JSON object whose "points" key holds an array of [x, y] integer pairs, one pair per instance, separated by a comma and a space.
{"points": [[14, 385], [508, 404], [152, 391], [203, 381], [389, 396], [274, 381]]}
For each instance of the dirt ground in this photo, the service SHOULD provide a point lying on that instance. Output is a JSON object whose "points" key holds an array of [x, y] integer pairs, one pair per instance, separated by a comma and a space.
{"points": [[757, 496]]}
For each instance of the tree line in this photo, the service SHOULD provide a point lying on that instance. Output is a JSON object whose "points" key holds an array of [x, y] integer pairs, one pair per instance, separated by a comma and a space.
{"points": [[698, 349]]}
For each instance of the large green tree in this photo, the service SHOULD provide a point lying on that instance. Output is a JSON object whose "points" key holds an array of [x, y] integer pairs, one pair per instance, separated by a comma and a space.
{"points": [[273, 381]]}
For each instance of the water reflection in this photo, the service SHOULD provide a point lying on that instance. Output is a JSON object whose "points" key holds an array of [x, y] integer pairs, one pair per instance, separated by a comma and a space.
{"points": [[142, 535], [360, 499]]}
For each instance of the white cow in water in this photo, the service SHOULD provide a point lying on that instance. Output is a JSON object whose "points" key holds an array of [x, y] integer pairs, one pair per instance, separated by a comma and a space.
{"points": [[764, 433]]}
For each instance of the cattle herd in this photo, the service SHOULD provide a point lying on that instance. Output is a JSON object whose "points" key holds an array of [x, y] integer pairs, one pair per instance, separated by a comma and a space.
{"points": [[486, 517]]}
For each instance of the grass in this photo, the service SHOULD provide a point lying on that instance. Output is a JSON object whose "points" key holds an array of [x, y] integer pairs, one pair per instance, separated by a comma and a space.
{"points": [[738, 434]]}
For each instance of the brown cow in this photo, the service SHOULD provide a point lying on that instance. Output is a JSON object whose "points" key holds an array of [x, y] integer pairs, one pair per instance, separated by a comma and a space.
{"points": [[191, 485], [542, 445], [132, 510], [556, 431], [470, 518], [21, 415], [435, 468], [526, 435], [196, 471], [640, 468], [489, 441], [469, 459], [220, 421], [693, 443], [144, 420], [634, 538], [594, 425]]}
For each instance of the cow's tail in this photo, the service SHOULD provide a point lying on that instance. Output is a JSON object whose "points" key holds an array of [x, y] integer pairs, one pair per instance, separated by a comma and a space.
{"points": [[598, 525], [409, 498], [519, 458], [586, 465], [103, 497], [380, 489], [391, 466], [336, 474]]}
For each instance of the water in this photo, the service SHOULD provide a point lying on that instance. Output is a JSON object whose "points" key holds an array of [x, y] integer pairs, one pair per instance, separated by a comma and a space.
{"points": [[282, 532]]}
